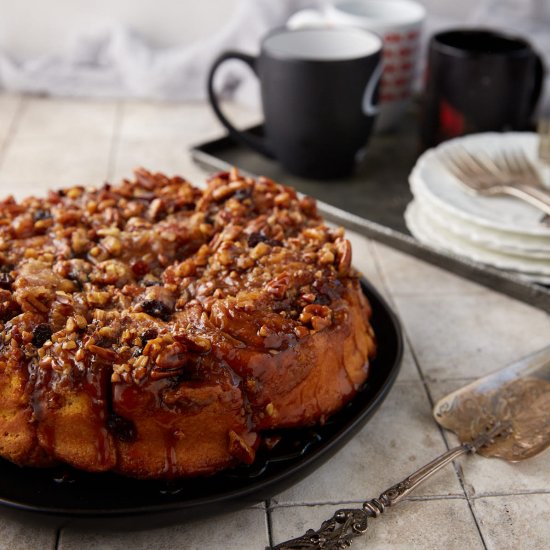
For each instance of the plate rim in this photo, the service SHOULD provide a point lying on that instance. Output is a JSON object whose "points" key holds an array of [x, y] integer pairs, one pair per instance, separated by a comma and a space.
{"points": [[419, 186], [474, 253]]}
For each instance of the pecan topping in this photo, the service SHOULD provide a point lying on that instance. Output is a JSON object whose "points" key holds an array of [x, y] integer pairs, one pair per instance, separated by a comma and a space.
{"points": [[136, 274], [317, 316], [278, 286], [343, 248], [240, 449]]}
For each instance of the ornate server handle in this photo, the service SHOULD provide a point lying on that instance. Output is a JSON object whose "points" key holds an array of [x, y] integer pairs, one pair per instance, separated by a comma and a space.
{"points": [[339, 531]]}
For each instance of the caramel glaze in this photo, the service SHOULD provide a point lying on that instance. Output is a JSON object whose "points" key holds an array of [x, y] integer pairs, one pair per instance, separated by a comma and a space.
{"points": [[156, 330]]}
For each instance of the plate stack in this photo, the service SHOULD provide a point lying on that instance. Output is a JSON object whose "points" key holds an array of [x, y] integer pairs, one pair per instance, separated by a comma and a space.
{"points": [[503, 232]]}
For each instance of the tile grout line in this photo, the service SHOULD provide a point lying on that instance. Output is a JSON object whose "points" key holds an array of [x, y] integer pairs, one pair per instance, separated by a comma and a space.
{"points": [[57, 538], [382, 274], [430, 498], [516, 494], [426, 388], [115, 140], [419, 498], [269, 522], [13, 125], [457, 467], [473, 293]]}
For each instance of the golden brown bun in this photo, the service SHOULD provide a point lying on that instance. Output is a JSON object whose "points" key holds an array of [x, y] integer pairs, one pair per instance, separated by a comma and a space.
{"points": [[157, 330]]}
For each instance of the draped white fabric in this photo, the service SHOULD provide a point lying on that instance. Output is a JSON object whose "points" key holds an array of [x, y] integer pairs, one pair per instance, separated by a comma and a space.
{"points": [[113, 61]]}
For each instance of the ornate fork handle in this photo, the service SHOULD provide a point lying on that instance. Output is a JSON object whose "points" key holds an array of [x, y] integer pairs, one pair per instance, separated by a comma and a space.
{"points": [[347, 524]]}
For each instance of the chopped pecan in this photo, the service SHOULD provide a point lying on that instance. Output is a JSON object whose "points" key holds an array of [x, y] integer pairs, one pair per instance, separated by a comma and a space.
{"points": [[316, 316], [103, 353], [172, 358], [343, 249], [278, 286], [240, 449]]}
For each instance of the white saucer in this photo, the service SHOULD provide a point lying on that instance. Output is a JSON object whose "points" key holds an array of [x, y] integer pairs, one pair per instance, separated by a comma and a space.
{"points": [[430, 232], [528, 246], [433, 184]]}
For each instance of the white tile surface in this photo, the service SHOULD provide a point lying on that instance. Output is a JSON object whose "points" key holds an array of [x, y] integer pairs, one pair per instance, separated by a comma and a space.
{"points": [[10, 107], [515, 522], [409, 371], [366, 262], [32, 165], [187, 122], [418, 525], [45, 118], [458, 336], [236, 531], [25, 532], [400, 438], [158, 155], [405, 275]]}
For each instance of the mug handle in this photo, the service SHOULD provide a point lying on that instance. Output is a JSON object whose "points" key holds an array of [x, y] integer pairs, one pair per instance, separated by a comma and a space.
{"points": [[539, 81], [255, 142]]}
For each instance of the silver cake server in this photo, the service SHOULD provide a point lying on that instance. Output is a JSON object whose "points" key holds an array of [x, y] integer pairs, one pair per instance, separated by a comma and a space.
{"points": [[503, 415]]}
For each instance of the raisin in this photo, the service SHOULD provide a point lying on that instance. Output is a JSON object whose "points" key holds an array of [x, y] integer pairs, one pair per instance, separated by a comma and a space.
{"points": [[156, 308], [6, 281], [149, 334], [256, 238], [41, 334], [243, 194], [151, 282], [41, 215], [77, 282], [322, 299], [123, 429]]}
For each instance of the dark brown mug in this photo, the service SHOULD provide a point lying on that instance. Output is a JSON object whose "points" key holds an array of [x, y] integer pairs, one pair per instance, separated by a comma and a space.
{"points": [[479, 81]]}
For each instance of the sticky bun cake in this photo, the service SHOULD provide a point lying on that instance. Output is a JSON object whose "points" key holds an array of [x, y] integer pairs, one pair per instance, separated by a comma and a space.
{"points": [[157, 330]]}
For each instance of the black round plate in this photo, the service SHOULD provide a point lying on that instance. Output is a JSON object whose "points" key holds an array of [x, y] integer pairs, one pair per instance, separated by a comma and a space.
{"points": [[68, 492]]}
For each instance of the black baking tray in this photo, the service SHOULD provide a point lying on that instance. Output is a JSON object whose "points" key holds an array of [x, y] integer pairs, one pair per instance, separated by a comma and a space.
{"points": [[113, 501], [372, 201]]}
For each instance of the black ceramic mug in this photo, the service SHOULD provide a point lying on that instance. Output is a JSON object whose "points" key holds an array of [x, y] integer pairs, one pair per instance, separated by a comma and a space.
{"points": [[319, 91], [478, 81]]}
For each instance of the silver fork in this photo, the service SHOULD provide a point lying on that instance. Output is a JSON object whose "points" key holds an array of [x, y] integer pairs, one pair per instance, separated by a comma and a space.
{"points": [[477, 176]]}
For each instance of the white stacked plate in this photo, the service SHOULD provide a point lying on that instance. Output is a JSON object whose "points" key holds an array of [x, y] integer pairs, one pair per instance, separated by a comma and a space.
{"points": [[503, 232]]}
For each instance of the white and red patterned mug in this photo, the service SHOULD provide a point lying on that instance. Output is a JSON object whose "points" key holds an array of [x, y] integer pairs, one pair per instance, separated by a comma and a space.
{"points": [[399, 24]]}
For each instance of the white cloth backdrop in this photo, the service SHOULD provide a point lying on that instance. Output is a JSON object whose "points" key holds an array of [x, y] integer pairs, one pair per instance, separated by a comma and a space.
{"points": [[114, 61]]}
